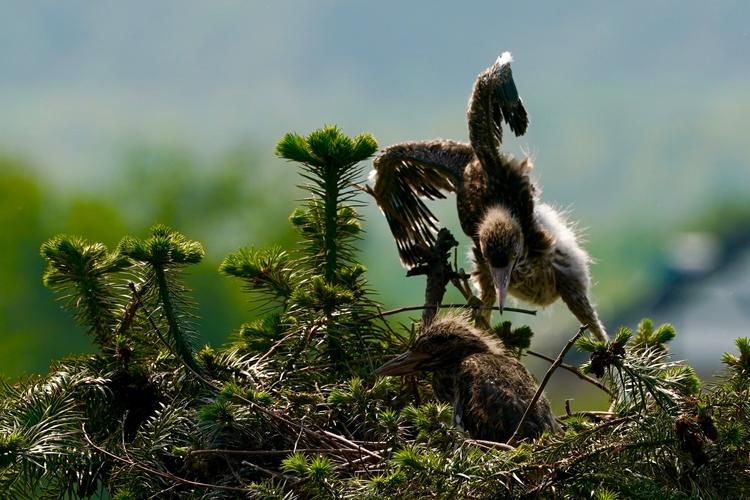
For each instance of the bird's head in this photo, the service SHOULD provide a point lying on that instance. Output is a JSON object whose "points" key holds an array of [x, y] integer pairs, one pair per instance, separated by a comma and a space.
{"points": [[501, 244], [445, 342]]}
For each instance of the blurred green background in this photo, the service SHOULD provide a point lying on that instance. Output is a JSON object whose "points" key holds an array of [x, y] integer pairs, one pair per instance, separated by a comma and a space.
{"points": [[114, 116]]}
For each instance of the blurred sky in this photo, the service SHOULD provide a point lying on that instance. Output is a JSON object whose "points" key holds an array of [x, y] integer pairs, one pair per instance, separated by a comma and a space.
{"points": [[80, 79], [639, 109]]}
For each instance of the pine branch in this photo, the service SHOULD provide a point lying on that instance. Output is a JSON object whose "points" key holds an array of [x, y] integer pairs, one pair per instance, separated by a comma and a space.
{"points": [[269, 272], [164, 254], [329, 159], [83, 273]]}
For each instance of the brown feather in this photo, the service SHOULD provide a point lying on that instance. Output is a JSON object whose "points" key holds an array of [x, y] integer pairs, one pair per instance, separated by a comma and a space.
{"points": [[406, 172], [488, 388]]}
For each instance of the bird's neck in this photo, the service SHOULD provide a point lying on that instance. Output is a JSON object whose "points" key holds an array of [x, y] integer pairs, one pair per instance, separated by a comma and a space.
{"points": [[443, 385]]}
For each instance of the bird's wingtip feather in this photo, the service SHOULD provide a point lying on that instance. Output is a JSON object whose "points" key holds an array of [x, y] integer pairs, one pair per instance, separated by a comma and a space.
{"points": [[504, 58]]}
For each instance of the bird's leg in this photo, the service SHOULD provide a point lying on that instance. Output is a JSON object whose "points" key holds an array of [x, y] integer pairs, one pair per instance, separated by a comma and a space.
{"points": [[482, 278], [574, 292]]}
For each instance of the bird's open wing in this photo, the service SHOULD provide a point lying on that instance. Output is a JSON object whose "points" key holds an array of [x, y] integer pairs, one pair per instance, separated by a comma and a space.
{"points": [[403, 174], [508, 104], [495, 99]]}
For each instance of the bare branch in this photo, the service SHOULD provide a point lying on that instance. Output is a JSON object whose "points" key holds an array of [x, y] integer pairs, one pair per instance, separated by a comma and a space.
{"points": [[574, 370], [546, 378], [489, 445], [166, 475], [391, 312]]}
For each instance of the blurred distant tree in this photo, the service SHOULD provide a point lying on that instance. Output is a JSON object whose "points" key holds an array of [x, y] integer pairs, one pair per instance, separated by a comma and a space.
{"points": [[23, 306], [223, 203]]}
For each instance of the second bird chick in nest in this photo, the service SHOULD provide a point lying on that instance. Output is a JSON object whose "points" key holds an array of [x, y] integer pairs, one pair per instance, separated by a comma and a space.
{"points": [[488, 388]]}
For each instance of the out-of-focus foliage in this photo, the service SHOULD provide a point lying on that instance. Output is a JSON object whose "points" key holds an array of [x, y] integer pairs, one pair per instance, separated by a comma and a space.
{"points": [[226, 204], [289, 408]]}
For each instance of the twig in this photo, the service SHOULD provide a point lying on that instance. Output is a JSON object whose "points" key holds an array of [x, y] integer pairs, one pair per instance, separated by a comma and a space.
{"points": [[385, 323], [166, 475], [574, 370], [353, 445], [219, 451], [489, 445], [129, 314], [122, 434], [137, 295], [464, 306], [273, 348], [231, 469], [269, 472], [369, 472], [350, 463], [602, 416], [301, 430], [159, 494], [546, 378], [378, 445]]}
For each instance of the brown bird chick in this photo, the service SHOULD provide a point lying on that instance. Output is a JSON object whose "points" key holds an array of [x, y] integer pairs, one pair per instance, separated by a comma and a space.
{"points": [[488, 388], [521, 247]]}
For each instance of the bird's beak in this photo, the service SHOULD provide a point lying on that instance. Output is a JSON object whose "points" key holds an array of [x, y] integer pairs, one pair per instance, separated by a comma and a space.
{"points": [[501, 280], [403, 364]]}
